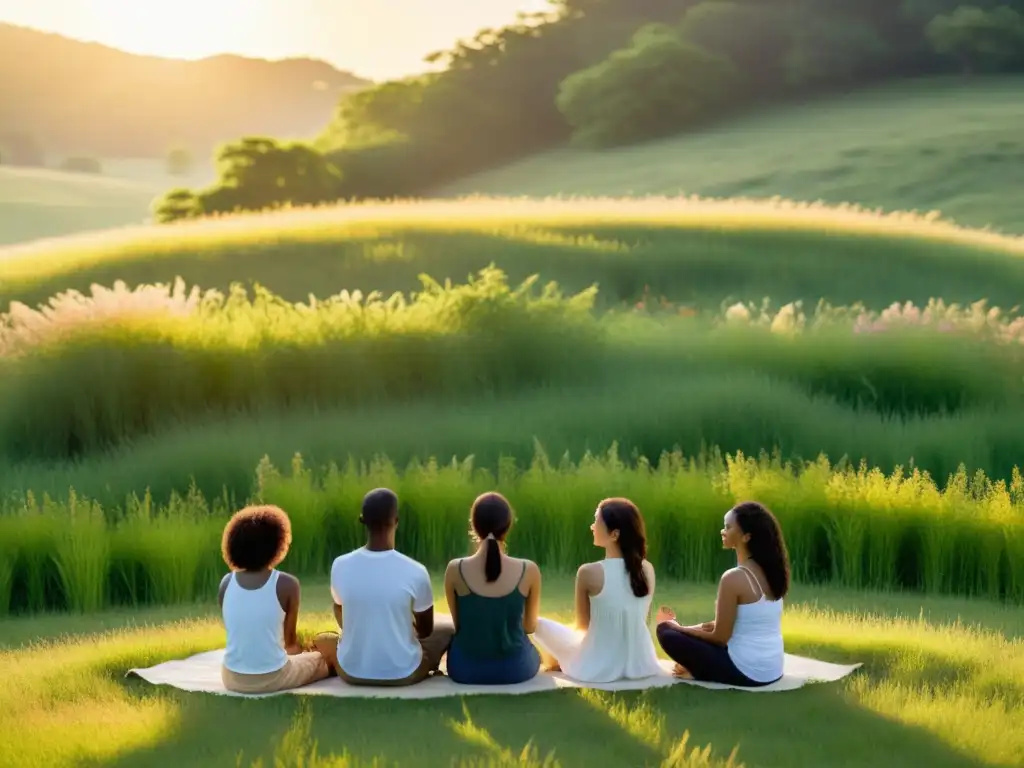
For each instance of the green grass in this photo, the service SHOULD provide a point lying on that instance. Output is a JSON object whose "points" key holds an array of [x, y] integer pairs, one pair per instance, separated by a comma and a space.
{"points": [[89, 377], [942, 685], [948, 145], [44, 203], [694, 252], [853, 527]]}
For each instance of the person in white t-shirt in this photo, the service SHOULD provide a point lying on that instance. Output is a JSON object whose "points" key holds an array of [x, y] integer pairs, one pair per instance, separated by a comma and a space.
{"points": [[384, 604]]}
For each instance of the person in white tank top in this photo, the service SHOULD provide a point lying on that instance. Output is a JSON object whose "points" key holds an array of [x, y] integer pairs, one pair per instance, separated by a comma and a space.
{"points": [[743, 644], [260, 607], [611, 640]]}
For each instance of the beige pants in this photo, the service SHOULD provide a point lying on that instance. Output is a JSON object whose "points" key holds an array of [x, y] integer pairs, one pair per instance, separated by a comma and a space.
{"points": [[299, 670], [434, 648]]}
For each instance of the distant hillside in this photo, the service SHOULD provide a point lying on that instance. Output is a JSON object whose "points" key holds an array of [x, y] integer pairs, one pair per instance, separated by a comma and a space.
{"points": [[950, 145], [85, 98]]}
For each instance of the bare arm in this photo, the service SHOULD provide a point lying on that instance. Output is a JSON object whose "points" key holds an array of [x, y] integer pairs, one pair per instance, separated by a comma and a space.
{"points": [[725, 613], [223, 588], [583, 588], [450, 582], [289, 594], [532, 611], [424, 622]]}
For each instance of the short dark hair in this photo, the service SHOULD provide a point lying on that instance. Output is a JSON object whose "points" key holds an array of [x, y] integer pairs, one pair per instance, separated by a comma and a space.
{"points": [[380, 508], [256, 537]]}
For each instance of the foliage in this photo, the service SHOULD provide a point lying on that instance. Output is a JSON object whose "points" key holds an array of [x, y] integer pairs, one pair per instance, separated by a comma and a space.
{"points": [[79, 164], [178, 161], [754, 37], [513, 91], [130, 362], [846, 525], [980, 40], [255, 174], [657, 86]]}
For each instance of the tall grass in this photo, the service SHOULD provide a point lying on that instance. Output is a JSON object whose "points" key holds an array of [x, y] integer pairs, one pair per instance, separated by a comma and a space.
{"points": [[848, 525], [87, 375]]}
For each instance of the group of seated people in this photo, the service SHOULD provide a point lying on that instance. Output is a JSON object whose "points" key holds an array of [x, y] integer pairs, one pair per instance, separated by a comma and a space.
{"points": [[388, 634]]}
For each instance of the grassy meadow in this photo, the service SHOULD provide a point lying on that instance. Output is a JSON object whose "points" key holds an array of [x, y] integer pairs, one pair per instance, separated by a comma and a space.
{"points": [[948, 145], [39, 204], [860, 373], [691, 251], [942, 685]]}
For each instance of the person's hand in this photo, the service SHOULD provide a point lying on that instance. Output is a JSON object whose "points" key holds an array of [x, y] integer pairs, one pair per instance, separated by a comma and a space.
{"points": [[664, 614], [293, 650], [708, 626]]}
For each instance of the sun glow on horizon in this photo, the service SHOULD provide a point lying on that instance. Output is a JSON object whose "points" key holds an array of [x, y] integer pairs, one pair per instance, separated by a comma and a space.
{"points": [[373, 38]]}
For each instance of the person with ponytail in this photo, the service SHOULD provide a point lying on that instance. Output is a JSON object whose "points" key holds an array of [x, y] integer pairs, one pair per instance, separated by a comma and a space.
{"points": [[494, 601], [743, 644], [611, 640]]}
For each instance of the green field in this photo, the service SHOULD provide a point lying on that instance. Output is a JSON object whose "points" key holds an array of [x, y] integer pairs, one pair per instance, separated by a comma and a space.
{"points": [[949, 145], [943, 685], [690, 251], [300, 358], [42, 203]]}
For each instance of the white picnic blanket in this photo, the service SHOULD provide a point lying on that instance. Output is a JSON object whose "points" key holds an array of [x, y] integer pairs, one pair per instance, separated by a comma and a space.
{"points": [[201, 673]]}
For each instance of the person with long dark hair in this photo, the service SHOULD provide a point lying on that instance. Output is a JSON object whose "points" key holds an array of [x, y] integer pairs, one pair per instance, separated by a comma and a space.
{"points": [[743, 644], [610, 640], [494, 600]]}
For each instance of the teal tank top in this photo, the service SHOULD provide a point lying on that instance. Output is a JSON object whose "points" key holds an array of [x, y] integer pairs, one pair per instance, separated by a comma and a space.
{"points": [[490, 627]]}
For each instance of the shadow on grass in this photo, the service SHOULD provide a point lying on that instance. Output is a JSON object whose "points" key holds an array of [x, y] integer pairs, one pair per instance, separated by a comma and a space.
{"points": [[818, 725]]}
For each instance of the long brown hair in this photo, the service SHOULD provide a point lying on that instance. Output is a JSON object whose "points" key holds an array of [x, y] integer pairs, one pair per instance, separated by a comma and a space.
{"points": [[622, 515]]}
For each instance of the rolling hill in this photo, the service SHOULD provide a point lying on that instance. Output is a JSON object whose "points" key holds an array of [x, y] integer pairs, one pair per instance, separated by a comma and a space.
{"points": [[950, 145], [74, 97]]}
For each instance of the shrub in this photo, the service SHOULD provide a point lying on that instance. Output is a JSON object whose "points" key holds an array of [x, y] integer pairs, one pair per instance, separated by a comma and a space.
{"points": [[980, 40], [256, 174], [657, 86], [122, 364]]}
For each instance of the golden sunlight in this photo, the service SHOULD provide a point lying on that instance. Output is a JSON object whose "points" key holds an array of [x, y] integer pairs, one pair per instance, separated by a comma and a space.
{"points": [[184, 29]]}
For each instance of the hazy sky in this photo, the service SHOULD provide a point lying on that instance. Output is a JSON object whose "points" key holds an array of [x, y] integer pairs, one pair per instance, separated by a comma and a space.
{"points": [[374, 38]]}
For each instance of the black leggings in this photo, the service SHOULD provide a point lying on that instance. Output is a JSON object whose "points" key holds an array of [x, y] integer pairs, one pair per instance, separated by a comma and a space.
{"points": [[706, 661]]}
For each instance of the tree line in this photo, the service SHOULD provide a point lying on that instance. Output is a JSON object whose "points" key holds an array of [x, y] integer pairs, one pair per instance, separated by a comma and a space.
{"points": [[601, 73]]}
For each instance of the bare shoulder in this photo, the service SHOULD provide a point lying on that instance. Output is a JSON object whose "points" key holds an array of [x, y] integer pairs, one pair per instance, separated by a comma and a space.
{"points": [[648, 568], [532, 570], [588, 573], [224, 584], [288, 584], [733, 579]]}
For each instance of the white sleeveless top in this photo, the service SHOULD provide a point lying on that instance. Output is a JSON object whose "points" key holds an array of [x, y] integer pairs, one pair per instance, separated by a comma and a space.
{"points": [[756, 644], [254, 620], [618, 644]]}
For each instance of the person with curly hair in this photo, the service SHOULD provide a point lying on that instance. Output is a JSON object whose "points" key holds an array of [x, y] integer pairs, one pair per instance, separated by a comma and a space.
{"points": [[611, 640], [743, 645], [260, 607]]}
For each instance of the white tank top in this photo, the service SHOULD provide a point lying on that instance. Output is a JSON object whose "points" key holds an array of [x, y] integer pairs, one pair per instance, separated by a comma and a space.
{"points": [[756, 644], [254, 620], [618, 643]]}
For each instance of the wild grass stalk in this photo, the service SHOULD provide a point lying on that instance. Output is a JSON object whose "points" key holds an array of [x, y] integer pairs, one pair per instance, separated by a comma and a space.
{"points": [[851, 526]]}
